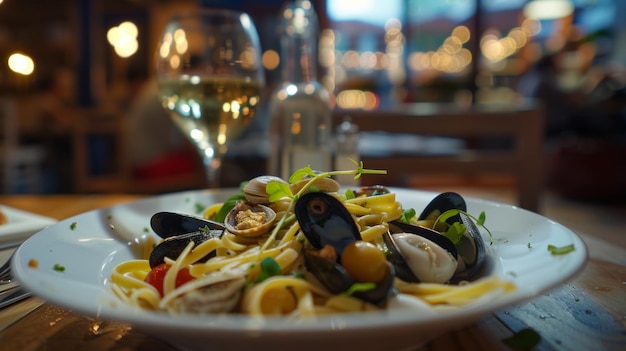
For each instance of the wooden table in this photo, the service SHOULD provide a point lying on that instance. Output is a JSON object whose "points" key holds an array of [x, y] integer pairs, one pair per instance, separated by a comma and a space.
{"points": [[588, 313]]}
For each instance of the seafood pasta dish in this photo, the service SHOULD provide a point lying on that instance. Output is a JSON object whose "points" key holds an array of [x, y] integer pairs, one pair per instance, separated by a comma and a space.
{"points": [[304, 247]]}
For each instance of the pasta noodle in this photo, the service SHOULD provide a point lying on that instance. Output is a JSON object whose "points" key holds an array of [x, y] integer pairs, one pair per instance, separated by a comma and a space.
{"points": [[235, 278]]}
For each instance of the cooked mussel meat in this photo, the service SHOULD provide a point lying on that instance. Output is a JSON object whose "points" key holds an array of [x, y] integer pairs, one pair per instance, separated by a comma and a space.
{"points": [[330, 229], [420, 254]]}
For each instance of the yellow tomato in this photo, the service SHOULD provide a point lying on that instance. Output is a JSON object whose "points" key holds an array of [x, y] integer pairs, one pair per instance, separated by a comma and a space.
{"points": [[278, 301], [364, 262]]}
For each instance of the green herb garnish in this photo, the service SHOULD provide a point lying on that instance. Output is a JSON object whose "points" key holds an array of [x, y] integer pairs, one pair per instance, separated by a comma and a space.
{"points": [[227, 206], [59, 268], [455, 230], [407, 215], [199, 207], [561, 250], [356, 287], [269, 268], [73, 225], [350, 194]]}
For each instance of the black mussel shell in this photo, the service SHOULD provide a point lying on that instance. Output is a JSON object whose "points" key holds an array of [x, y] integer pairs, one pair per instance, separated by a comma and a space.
{"points": [[167, 224], [332, 275], [442, 203], [372, 190], [324, 220], [472, 249], [173, 246], [383, 290], [337, 280]]}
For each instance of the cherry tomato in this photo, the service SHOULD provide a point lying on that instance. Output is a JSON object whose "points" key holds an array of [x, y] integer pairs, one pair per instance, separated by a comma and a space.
{"points": [[157, 275]]}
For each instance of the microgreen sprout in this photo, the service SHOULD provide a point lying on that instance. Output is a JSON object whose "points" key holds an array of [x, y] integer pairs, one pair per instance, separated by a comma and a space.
{"points": [[356, 287], [455, 230]]}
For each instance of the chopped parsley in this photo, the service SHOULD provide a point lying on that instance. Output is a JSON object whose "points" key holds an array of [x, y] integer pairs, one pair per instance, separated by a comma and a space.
{"points": [[561, 250], [59, 268], [199, 207], [73, 226], [407, 215]]}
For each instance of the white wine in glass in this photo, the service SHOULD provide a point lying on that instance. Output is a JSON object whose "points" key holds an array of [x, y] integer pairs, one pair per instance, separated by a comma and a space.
{"points": [[210, 77]]}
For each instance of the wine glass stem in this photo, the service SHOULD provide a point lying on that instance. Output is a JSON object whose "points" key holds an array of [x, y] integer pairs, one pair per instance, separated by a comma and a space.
{"points": [[212, 167]]}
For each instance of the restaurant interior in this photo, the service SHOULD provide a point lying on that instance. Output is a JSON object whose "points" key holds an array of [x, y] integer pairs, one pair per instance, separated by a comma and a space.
{"points": [[507, 101], [551, 86]]}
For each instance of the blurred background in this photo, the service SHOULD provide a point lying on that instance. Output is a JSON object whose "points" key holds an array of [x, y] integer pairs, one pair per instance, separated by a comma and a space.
{"points": [[79, 112]]}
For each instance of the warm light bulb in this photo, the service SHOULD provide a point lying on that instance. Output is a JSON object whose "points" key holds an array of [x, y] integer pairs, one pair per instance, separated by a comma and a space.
{"points": [[548, 9]]}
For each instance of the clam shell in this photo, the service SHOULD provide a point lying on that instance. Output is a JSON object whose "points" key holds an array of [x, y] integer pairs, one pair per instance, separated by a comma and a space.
{"points": [[254, 190], [214, 293], [251, 229]]}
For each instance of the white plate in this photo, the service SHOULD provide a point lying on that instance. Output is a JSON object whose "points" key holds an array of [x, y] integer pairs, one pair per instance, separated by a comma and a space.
{"points": [[20, 226], [91, 244]]}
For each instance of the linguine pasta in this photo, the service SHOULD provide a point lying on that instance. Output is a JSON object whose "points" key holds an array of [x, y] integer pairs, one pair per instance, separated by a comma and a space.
{"points": [[234, 281]]}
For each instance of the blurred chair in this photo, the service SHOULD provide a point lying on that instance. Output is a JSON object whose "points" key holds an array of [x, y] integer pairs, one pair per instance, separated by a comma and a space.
{"points": [[519, 123], [100, 156], [22, 165]]}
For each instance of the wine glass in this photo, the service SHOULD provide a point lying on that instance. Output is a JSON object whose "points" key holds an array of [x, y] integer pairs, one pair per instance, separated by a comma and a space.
{"points": [[210, 77]]}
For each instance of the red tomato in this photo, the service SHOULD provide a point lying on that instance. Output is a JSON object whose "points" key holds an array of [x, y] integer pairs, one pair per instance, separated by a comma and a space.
{"points": [[156, 276]]}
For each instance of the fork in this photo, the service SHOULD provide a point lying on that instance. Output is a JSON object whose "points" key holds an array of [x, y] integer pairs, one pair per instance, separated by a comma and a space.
{"points": [[5, 271], [11, 291]]}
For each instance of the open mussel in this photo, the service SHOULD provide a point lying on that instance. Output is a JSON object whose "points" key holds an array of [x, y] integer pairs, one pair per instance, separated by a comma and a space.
{"points": [[435, 252], [471, 247], [330, 229]]}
